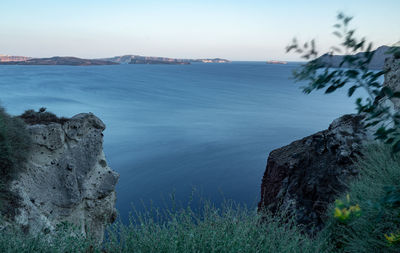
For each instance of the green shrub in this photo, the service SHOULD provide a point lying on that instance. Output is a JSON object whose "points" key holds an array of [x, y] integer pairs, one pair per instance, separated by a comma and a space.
{"points": [[15, 143], [41, 117], [231, 228], [375, 192], [66, 239]]}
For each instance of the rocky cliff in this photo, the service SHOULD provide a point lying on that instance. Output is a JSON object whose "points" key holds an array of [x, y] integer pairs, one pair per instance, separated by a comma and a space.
{"points": [[377, 62], [307, 175], [66, 178]]}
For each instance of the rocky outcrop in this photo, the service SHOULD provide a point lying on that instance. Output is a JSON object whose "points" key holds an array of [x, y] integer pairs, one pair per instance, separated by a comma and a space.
{"points": [[307, 174], [66, 178]]}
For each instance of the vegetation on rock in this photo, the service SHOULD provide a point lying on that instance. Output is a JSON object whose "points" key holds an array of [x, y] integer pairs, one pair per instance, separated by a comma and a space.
{"points": [[14, 149], [374, 226], [31, 117]]}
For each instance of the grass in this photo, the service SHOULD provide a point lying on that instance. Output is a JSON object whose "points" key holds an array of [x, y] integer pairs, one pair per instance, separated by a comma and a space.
{"points": [[379, 204], [231, 228], [65, 239], [228, 229], [234, 228]]}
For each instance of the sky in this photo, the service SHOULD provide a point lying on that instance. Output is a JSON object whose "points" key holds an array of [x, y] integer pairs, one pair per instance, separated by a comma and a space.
{"points": [[251, 30]]}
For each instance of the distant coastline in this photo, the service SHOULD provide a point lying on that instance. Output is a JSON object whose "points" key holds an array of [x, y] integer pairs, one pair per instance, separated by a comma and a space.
{"points": [[57, 60], [137, 59], [125, 59]]}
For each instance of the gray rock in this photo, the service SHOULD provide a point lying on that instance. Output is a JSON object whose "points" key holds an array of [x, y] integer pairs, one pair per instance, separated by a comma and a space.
{"points": [[67, 179], [392, 78]]}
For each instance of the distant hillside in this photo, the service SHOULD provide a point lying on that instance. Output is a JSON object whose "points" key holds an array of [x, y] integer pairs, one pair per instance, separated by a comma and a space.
{"points": [[124, 59], [156, 60], [137, 59], [57, 60], [212, 60], [377, 62]]}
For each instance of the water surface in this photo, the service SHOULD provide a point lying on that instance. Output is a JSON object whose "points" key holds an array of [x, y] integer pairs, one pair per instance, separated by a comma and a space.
{"points": [[174, 127]]}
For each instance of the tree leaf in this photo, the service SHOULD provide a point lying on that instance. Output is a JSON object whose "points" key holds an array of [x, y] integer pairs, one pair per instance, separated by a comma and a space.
{"points": [[352, 73], [396, 147], [337, 34], [331, 89]]}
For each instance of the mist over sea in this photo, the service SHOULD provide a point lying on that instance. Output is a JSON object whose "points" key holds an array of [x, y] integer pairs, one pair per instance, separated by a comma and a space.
{"points": [[174, 127]]}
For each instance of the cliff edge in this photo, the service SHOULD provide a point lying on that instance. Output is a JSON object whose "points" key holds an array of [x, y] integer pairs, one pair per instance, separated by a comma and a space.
{"points": [[66, 178], [308, 174]]}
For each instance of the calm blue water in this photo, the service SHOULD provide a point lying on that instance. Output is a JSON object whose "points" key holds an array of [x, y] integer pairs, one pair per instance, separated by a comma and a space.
{"points": [[172, 128]]}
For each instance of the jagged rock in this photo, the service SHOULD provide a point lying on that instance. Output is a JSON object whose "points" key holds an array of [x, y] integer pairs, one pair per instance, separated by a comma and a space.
{"points": [[66, 178], [306, 175]]}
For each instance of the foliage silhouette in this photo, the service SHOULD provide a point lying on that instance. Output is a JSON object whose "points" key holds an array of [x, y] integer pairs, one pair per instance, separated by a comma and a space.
{"points": [[353, 70]]}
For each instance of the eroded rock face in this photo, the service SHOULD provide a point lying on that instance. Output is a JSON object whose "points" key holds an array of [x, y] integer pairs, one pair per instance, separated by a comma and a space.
{"points": [[67, 178], [306, 175]]}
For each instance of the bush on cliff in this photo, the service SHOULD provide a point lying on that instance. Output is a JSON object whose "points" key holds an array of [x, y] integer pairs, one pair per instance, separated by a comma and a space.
{"points": [[41, 117], [14, 149], [14, 144], [376, 226]]}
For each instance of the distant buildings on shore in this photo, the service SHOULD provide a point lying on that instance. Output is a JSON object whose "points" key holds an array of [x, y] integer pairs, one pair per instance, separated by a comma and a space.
{"points": [[10, 58], [276, 62]]}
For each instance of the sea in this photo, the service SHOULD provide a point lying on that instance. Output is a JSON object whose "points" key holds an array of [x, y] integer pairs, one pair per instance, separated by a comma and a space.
{"points": [[177, 129]]}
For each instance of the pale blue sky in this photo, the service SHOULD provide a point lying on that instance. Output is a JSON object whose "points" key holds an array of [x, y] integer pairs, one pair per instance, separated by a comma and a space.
{"points": [[233, 29]]}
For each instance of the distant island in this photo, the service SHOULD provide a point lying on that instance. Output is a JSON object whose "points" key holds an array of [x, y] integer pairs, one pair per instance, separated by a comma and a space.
{"points": [[215, 60], [377, 62], [276, 62], [57, 60], [137, 59], [124, 59]]}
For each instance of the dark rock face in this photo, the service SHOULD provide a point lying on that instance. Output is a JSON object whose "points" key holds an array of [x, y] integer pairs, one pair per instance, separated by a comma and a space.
{"points": [[306, 175]]}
